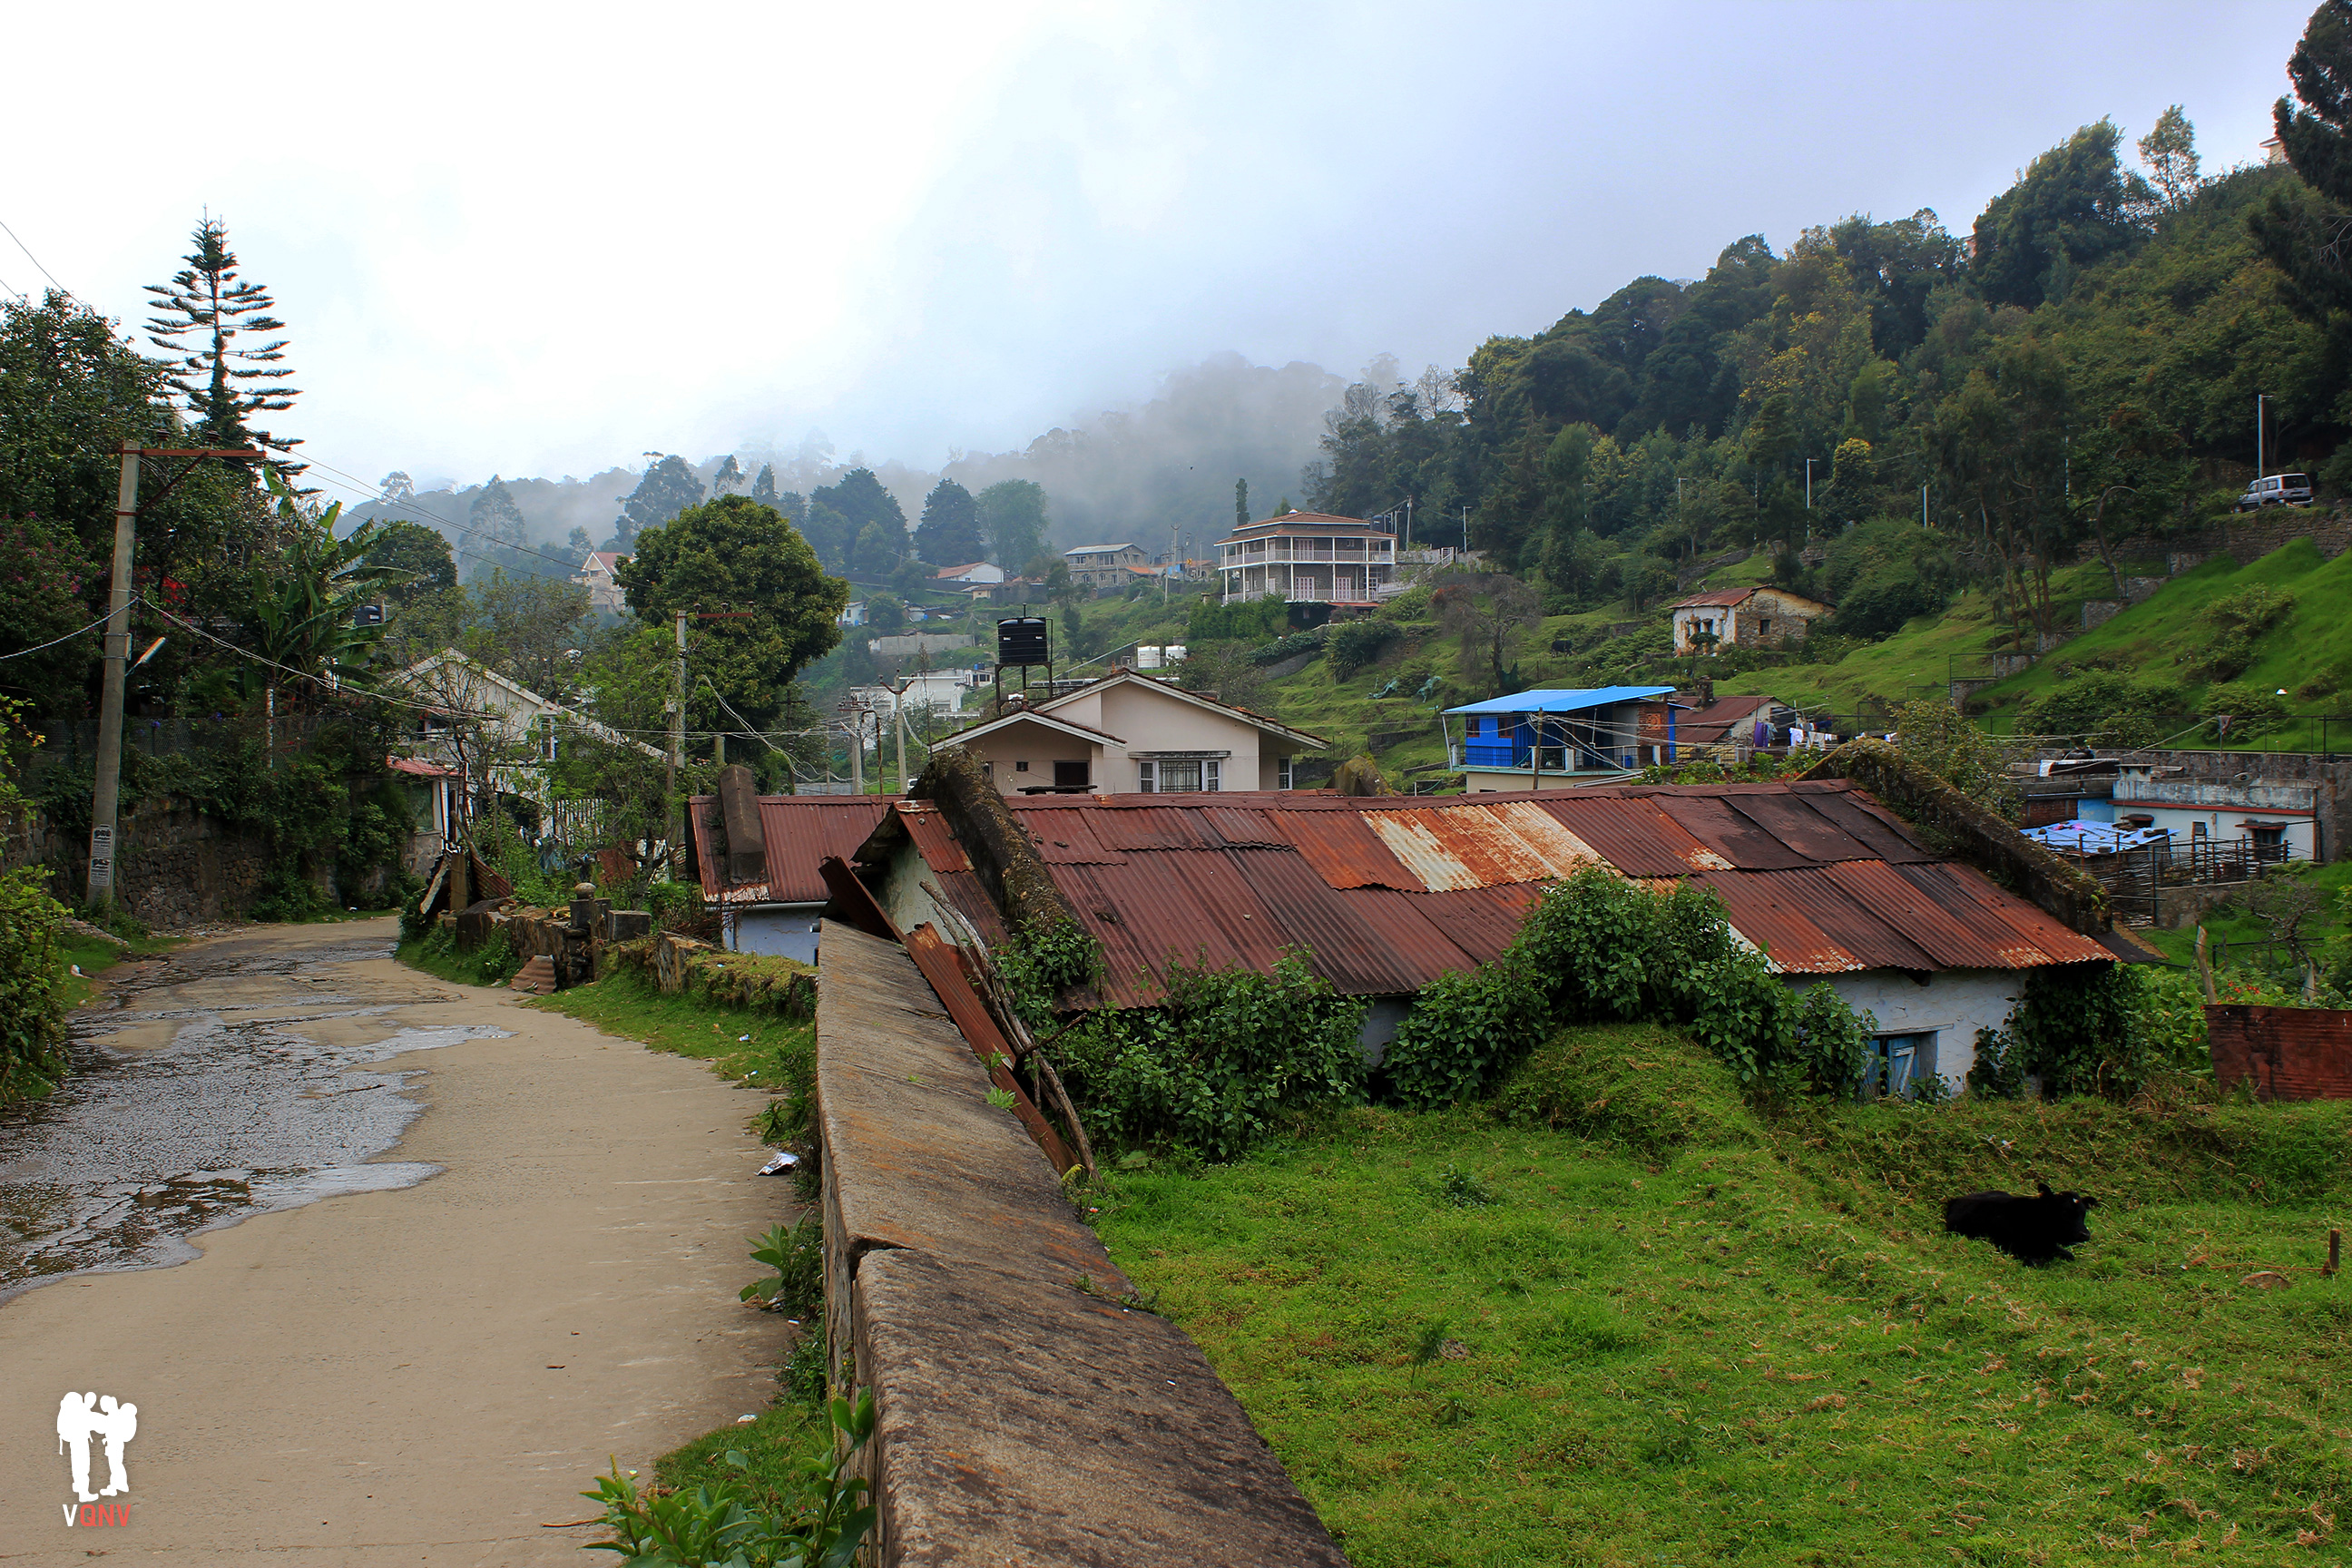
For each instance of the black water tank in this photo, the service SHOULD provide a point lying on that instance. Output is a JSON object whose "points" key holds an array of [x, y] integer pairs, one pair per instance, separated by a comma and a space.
{"points": [[1021, 642]]}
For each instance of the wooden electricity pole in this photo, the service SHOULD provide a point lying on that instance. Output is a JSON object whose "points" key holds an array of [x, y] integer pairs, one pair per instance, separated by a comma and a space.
{"points": [[106, 789]]}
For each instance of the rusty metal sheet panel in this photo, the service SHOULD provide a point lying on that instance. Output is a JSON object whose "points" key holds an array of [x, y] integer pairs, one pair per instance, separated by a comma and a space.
{"points": [[1759, 909], [803, 830], [2034, 930], [962, 890], [1242, 827], [1934, 913], [1064, 836], [1792, 820], [1562, 851], [934, 840], [1347, 951], [1478, 922], [1412, 930], [1188, 905], [1633, 835], [1125, 827], [1342, 847], [1709, 818], [1467, 845], [1837, 915], [1886, 835]]}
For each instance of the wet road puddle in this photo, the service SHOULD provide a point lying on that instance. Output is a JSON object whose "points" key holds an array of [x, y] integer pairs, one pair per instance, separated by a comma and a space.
{"points": [[227, 1084]]}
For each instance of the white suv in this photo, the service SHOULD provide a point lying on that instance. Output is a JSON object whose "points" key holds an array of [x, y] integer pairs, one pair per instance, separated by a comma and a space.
{"points": [[2279, 489]]}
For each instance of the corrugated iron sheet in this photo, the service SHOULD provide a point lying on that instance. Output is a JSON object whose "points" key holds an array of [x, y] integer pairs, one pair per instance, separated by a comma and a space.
{"points": [[1886, 835], [1065, 835], [1387, 896], [801, 830], [1343, 849], [1455, 847], [1634, 834], [1736, 839], [933, 836], [1792, 819]]}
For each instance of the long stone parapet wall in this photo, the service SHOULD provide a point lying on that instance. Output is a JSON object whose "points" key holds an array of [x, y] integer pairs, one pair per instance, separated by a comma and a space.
{"points": [[1026, 1413]]}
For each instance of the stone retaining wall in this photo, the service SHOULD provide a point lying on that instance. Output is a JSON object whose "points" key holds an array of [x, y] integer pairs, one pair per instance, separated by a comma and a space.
{"points": [[174, 865], [1024, 1413]]}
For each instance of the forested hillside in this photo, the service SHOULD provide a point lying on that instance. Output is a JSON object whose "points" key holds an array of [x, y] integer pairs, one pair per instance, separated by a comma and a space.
{"points": [[2083, 366]]}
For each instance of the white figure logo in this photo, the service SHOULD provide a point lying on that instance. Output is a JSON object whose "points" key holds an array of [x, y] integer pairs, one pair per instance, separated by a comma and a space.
{"points": [[80, 1418]]}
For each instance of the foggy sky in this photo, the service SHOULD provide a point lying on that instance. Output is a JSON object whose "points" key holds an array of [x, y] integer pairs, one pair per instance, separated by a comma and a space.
{"points": [[539, 242]]}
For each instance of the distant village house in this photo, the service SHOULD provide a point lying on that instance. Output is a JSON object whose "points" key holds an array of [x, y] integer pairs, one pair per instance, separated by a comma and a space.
{"points": [[1756, 616], [1128, 734]]}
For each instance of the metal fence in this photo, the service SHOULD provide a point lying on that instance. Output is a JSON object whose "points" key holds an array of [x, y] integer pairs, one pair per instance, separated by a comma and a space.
{"points": [[2135, 878]]}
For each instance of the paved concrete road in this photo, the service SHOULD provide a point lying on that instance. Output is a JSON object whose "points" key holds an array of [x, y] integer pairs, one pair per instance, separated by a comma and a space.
{"points": [[422, 1375]]}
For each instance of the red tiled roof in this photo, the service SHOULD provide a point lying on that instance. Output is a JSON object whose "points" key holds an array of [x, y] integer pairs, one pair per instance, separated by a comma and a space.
{"points": [[800, 832], [1389, 893]]}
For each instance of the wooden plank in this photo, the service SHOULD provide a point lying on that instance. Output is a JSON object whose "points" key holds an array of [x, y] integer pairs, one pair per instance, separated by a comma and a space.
{"points": [[937, 961], [852, 901]]}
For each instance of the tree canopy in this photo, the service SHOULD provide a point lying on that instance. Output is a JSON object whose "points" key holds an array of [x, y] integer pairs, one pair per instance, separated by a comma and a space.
{"points": [[949, 531], [667, 489], [735, 554]]}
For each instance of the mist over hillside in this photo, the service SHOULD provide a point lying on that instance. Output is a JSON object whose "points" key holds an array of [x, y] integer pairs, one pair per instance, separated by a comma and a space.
{"points": [[1170, 462]]}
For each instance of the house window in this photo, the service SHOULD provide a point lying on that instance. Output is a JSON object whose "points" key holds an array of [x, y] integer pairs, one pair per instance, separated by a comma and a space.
{"points": [[1897, 1063], [2270, 843], [1282, 774], [1184, 775], [1022, 766], [1069, 775], [988, 769]]}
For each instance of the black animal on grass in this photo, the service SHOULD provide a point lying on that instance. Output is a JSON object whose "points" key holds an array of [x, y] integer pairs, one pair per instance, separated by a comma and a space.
{"points": [[2037, 1230]]}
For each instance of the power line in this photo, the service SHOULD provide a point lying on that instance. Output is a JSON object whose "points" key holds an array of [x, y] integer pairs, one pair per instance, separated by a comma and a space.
{"points": [[36, 261], [67, 637]]}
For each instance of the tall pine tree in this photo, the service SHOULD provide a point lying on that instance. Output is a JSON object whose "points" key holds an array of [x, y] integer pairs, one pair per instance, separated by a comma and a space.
{"points": [[217, 328]]}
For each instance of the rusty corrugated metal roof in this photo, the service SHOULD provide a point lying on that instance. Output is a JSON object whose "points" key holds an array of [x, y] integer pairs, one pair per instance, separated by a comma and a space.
{"points": [[800, 831], [1387, 894]]}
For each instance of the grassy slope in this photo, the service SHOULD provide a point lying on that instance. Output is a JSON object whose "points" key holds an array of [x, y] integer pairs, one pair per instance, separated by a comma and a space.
{"points": [[95, 958], [1723, 1357]]}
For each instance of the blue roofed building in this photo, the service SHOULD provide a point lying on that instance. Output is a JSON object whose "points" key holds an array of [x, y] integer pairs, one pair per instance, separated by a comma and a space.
{"points": [[1559, 739]]}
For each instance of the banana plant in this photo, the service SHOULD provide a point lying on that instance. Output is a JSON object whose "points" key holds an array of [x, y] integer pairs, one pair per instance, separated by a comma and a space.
{"points": [[305, 597]]}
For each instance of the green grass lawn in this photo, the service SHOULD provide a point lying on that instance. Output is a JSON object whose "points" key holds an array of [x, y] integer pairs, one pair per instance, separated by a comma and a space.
{"points": [[1473, 1342]]}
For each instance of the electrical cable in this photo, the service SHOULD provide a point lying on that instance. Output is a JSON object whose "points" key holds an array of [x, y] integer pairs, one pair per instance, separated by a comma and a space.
{"points": [[67, 637], [36, 261]]}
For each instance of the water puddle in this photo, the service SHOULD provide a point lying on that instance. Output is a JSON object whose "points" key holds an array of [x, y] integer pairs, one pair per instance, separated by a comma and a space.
{"points": [[206, 1121]]}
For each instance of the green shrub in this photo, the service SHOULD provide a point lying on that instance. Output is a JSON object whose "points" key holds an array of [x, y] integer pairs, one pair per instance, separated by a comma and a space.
{"points": [[1599, 948], [32, 994], [1220, 1061], [2087, 1028], [1290, 646], [1464, 1029], [675, 906], [1352, 644], [496, 961], [2254, 712], [732, 1525], [797, 1257], [2093, 700]]}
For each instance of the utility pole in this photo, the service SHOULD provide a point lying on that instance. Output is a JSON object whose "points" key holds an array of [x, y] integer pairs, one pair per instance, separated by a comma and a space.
{"points": [[677, 750], [1808, 483], [1922, 506], [1465, 531], [105, 800], [2262, 468], [856, 752], [898, 714]]}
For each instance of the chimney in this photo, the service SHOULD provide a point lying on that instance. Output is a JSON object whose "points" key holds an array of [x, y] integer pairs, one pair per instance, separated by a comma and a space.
{"points": [[738, 808]]}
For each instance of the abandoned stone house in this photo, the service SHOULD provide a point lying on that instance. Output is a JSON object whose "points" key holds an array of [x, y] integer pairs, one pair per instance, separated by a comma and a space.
{"points": [[1759, 615]]}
